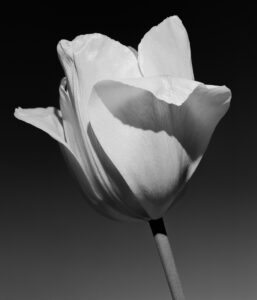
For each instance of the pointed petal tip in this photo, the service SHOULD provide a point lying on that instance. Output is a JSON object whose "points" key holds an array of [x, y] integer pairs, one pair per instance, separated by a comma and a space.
{"points": [[17, 109], [227, 91], [18, 112], [177, 19], [63, 45], [48, 119], [21, 113], [224, 92], [64, 50], [174, 20], [165, 50]]}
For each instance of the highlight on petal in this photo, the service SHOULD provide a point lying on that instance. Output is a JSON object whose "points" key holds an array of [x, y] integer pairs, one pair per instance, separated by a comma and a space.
{"points": [[94, 57], [154, 144], [165, 50], [96, 185], [47, 119], [91, 58]]}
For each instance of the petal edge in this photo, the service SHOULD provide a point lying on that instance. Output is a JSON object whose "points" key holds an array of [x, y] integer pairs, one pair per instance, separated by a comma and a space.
{"points": [[165, 50]]}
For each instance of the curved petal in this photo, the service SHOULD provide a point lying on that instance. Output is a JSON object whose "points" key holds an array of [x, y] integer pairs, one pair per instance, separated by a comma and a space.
{"points": [[199, 116], [170, 89], [165, 50], [155, 144], [91, 58], [71, 126], [47, 119], [199, 107], [75, 140], [86, 60], [97, 186], [103, 205]]}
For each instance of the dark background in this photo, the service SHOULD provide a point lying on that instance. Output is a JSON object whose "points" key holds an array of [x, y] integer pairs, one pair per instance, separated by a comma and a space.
{"points": [[53, 246]]}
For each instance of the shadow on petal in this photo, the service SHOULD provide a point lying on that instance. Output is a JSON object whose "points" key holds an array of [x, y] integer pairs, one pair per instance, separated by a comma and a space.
{"points": [[101, 207], [149, 208], [191, 123], [124, 195]]}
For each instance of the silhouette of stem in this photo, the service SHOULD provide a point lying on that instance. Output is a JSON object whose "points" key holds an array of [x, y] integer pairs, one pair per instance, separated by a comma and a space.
{"points": [[167, 259]]}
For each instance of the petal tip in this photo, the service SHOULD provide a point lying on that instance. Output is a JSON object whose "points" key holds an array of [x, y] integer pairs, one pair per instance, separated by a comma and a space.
{"points": [[70, 48], [165, 50], [226, 93], [64, 48], [174, 20], [227, 89], [18, 112]]}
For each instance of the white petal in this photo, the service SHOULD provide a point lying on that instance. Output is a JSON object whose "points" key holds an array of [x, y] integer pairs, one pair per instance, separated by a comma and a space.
{"points": [[47, 119], [75, 139], [125, 121], [199, 116], [170, 89], [134, 51], [97, 185], [51, 121], [86, 60], [71, 126], [165, 50], [103, 205], [91, 58], [154, 144]]}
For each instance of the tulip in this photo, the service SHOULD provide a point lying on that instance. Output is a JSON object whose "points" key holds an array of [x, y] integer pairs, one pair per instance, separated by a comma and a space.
{"points": [[133, 125]]}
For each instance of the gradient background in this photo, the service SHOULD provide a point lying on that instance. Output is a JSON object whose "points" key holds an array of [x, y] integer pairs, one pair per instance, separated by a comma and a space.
{"points": [[53, 246]]}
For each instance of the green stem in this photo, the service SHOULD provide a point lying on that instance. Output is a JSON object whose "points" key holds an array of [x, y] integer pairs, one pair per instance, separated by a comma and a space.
{"points": [[167, 259]]}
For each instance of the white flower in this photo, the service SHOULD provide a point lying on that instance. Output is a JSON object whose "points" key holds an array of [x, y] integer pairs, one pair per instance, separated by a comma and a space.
{"points": [[133, 126]]}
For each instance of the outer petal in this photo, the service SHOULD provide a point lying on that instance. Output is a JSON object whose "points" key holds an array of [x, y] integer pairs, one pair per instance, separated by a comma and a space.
{"points": [[165, 50], [91, 58], [47, 119], [155, 145], [86, 60], [71, 126], [97, 185], [75, 141], [101, 203]]}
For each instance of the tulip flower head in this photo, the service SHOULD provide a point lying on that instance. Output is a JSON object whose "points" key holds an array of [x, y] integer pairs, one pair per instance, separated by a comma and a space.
{"points": [[133, 125]]}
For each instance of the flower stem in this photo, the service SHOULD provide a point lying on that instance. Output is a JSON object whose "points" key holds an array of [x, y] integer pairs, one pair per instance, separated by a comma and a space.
{"points": [[167, 259]]}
